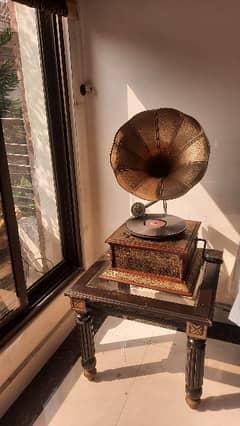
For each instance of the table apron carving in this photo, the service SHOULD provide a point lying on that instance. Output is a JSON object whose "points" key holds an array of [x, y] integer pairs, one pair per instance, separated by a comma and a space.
{"points": [[198, 331]]}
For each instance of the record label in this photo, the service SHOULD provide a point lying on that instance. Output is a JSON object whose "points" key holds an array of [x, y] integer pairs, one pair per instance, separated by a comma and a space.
{"points": [[155, 223]]}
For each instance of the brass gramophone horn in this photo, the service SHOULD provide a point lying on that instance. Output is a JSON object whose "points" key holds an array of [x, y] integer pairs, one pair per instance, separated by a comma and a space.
{"points": [[160, 154]]}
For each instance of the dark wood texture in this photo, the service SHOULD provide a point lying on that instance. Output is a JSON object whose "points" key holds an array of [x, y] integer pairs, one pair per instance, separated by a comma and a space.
{"points": [[194, 370], [11, 227], [140, 307], [85, 326], [58, 7], [103, 298], [170, 265], [170, 258]]}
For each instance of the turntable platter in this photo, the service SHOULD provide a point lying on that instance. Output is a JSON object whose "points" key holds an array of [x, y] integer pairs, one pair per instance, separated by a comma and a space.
{"points": [[156, 226]]}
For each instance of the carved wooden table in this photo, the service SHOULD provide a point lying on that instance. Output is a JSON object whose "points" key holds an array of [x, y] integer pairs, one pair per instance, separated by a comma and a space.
{"points": [[92, 296]]}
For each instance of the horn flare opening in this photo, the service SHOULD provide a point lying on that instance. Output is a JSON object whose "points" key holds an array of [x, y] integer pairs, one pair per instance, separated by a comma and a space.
{"points": [[158, 166]]}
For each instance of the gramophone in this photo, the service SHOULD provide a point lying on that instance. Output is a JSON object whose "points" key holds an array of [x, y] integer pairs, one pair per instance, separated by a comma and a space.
{"points": [[158, 155]]}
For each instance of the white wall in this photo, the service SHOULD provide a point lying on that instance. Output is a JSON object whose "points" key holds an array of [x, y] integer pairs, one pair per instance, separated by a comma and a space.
{"points": [[182, 54]]}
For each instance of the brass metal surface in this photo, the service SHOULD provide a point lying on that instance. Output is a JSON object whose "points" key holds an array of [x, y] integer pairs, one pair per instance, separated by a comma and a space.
{"points": [[160, 154], [152, 281]]}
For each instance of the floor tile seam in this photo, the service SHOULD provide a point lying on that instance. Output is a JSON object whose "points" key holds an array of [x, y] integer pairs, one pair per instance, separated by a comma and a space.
{"points": [[131, 386], [132, 337]]}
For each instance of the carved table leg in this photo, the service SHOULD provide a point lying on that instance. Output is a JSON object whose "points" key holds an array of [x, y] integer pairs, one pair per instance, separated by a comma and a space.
{"points": [[84, 322], [195, 363]]}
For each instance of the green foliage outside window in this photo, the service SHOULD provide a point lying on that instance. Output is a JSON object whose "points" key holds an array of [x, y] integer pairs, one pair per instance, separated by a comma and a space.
{"points": [[9, 106]]}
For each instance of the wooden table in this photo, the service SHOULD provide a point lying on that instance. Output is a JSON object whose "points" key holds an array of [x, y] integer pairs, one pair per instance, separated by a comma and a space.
{"points": [[92, 296]]}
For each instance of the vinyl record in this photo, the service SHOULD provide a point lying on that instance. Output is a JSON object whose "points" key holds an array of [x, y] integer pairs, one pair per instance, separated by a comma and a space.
{"points": [[156, 226]]}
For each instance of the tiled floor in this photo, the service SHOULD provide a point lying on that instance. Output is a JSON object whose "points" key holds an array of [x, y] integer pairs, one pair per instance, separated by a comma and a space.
{"points": [[141, 382]]}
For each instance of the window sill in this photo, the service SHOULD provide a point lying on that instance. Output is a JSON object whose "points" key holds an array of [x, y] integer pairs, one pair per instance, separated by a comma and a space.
{"points": [[38, 302]]}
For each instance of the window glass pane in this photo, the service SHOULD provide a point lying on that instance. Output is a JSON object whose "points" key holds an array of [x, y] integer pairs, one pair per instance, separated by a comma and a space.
{"points": [[8, 298], [24, 118]]}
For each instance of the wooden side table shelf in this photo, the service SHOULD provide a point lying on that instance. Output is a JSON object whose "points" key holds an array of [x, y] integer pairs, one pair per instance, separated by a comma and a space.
{"points": [[92, 296]]}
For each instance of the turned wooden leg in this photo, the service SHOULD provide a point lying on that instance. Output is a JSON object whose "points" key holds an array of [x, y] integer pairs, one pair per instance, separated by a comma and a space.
{"points": [[196, 342], [84, 322], [194, 371]]}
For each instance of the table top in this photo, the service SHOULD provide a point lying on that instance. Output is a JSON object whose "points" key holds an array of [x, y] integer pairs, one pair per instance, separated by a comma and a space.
{"points": [[150, 304]]}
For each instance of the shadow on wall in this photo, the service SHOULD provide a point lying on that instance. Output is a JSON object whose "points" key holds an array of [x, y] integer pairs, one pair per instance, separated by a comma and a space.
{"points": [[173, 54]]}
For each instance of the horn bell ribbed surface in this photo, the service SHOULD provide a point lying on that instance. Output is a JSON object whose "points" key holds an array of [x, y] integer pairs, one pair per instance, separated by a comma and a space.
{"points": [[160, 154]]}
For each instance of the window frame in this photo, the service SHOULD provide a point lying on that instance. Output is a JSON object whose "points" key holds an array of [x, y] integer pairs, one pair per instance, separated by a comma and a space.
{"points": [[51, 44]]}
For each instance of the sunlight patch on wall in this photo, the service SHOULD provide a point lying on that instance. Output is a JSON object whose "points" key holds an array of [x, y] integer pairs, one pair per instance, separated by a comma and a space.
{"points": [[134, 105]]}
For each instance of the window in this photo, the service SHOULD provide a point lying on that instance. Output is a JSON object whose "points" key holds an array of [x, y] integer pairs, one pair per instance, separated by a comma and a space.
{"points": [[38, 213]]}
